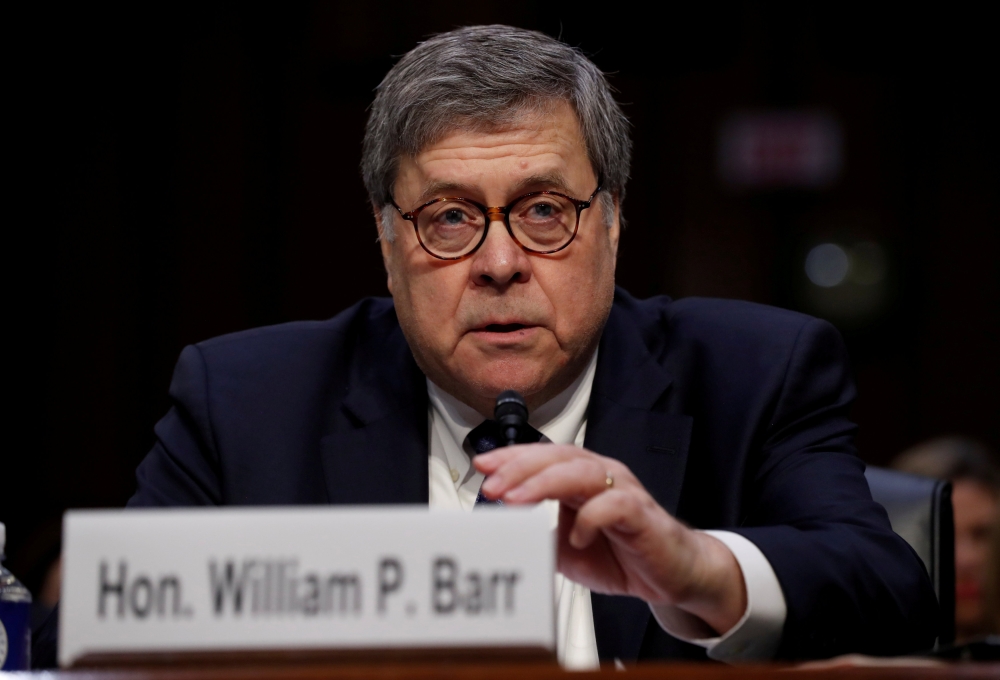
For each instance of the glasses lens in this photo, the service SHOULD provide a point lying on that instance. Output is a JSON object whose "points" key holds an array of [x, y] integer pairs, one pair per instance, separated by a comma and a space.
{"points": [[451, 228], [544, 222]]}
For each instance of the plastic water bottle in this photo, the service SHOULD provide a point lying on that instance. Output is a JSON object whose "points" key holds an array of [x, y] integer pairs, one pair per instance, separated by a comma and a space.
{"points": [[15, 618]]}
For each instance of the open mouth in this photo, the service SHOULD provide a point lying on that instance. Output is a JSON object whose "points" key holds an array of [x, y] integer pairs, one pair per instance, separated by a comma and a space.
{"points": [[504, 327]]}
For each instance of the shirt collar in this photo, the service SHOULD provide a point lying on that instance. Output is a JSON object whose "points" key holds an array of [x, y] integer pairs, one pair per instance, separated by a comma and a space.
{"points": [[559, 419]]}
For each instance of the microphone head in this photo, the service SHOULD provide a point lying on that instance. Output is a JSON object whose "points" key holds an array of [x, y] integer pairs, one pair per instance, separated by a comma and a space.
{"points": [[510, 409]]}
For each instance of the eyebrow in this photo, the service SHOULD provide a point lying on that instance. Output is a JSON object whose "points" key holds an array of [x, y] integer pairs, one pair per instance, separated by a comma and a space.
{"points": [[440, 188], [546, 181], [549, 181]]}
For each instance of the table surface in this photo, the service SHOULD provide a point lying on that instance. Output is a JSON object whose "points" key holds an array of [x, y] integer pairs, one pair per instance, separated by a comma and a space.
{"points": [[527, 671]]}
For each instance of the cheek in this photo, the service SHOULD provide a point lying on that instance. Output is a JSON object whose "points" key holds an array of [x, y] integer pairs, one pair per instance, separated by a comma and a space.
{"points": [[426, 296], [583, 291]]}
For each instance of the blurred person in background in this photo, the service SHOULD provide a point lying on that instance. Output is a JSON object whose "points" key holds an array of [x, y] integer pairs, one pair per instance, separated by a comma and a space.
{"points": [[975, 478], [991, 592]]}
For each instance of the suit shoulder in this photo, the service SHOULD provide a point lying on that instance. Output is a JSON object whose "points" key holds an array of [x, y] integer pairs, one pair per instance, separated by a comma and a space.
{"points": [[699, 314], [269, 343], [714, 315], [719, 324]]}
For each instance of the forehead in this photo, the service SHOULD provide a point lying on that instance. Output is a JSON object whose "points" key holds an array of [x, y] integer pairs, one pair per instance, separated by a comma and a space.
{"points": [[544, 143]]}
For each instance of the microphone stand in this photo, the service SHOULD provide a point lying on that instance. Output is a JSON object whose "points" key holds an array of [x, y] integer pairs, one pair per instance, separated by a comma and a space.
{"points": [[511, 412]]}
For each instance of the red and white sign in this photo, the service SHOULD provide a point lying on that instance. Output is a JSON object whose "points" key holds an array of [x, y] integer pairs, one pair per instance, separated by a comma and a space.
{"points": [[775, 149]]}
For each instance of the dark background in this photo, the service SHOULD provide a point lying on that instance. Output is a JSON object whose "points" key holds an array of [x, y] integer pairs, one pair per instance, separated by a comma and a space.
{"points": [[182, 171]]}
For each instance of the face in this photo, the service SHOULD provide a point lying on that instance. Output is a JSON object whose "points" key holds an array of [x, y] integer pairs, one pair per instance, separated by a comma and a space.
{"points": [[975, 508], [503, 318]]}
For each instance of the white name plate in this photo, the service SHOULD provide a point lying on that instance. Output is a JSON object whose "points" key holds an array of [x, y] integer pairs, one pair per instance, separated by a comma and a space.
{"points": [[142, 583]]}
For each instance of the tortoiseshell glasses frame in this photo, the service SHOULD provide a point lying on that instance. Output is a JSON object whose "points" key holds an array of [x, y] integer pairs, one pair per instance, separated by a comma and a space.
{"points": [[496, 213]]}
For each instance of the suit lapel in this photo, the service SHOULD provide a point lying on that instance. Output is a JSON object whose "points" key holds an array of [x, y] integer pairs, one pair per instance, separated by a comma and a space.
{"points": [[627, 419], [375, 449]]}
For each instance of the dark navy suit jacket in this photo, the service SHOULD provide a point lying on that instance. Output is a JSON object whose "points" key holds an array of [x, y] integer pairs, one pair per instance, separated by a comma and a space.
{"points": [[733, 415]]}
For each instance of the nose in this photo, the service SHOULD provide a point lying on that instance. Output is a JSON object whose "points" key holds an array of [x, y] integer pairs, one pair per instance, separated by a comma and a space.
{"points": [[500, 260]]}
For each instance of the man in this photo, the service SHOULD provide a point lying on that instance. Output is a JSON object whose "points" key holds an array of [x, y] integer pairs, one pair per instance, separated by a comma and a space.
{"points": [[496, 161]]}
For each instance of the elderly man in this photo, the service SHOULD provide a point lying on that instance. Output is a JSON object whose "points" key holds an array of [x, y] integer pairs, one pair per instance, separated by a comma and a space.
{"points": [[496, 161]]}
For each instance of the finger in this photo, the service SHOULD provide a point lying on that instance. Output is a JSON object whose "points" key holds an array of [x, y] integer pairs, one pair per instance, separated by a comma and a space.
{"points": [[571, 481], [528, 461], [617, 510], [595, 566], [487, 463]]}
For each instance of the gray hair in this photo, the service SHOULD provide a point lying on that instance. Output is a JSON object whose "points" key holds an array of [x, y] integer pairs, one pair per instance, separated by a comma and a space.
{"points": [[482, 78]]}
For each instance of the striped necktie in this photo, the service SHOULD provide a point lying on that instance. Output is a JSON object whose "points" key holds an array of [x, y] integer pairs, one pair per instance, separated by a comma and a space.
{"points": [[488, 435]]}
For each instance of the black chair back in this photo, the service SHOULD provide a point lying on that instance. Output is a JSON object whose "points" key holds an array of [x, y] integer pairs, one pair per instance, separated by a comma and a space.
{"points": [[920, 512]]}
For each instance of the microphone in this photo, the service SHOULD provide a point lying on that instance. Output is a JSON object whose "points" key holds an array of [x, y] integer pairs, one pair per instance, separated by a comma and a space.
{"points": [[512, 413]]}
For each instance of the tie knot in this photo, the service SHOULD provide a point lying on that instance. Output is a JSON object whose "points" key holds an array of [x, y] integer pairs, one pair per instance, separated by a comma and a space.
{"points": [[489, 435]]}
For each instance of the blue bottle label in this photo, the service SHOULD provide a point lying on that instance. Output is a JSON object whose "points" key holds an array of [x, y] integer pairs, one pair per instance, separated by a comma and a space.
{"points": [[15, 636]]}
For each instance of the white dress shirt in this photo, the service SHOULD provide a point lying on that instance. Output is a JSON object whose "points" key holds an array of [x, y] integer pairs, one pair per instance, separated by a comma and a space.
{"points": [[454, 485]]}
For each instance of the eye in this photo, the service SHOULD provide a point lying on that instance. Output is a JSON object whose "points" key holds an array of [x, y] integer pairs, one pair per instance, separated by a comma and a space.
{"points": [[448, 215], [542, 210]]}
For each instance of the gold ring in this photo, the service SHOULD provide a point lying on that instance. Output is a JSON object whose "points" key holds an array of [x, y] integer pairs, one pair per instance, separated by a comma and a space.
{"points": [[609, 481]]}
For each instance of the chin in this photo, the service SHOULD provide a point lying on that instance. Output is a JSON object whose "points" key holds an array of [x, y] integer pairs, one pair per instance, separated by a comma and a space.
{"points": [[527, 377]]}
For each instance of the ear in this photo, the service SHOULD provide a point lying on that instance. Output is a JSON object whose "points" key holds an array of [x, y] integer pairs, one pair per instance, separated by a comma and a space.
{"points": [[615, 228], [385, 245]]}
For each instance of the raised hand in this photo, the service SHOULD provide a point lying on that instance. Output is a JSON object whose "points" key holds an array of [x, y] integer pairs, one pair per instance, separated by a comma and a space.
{"points": [[613, 536]]}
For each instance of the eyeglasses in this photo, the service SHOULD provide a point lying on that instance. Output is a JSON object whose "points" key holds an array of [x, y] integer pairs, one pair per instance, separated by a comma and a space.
{"points": [[542, 222]]}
